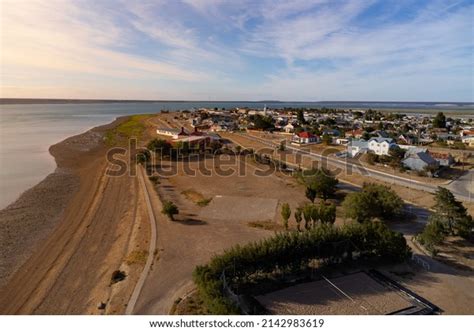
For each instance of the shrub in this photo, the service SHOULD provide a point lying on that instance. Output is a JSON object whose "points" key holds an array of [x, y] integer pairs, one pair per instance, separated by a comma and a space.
{"points": [[373, 201], [285, 214], [289, 251], [320, 182], [170, 209], [433, 234], [159, 146]]}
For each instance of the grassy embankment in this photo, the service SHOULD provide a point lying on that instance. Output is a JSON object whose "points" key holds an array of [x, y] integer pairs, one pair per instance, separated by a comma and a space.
{"points": [[133, 127]]}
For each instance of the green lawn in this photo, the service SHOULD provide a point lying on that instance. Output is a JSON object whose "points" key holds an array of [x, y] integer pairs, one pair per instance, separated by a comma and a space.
{"points": [[132, 128]]}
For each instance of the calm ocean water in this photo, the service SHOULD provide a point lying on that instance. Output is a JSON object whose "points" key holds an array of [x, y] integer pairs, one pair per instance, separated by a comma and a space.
{"points": [[27, 130]]}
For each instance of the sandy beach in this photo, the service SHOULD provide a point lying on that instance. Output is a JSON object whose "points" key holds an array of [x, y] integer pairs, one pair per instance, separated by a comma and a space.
{"points": [[62, 239]]}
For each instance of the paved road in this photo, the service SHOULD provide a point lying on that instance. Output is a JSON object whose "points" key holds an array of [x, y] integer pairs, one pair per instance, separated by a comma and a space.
{"points": [[460, 189], [464, 185]]}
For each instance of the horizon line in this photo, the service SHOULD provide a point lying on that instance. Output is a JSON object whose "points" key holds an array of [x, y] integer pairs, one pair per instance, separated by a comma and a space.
{"points": [[2, 99]]}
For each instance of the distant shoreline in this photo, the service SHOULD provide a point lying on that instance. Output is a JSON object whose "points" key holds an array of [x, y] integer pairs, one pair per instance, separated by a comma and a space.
{"points": [[466, 109]]}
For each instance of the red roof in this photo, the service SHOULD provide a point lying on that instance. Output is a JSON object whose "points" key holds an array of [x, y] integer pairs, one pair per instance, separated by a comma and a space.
{"points": [[440, 155], [468, 132], [305, 134]]}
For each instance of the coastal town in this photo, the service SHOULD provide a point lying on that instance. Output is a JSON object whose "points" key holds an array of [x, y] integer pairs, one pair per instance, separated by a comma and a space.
{"points": [[427, 160], [252, 165], [427, 146], [229, 184]]}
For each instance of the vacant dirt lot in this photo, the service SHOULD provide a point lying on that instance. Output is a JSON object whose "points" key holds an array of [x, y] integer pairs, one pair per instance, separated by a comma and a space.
{"points": [[235, 208], [198, 232]]}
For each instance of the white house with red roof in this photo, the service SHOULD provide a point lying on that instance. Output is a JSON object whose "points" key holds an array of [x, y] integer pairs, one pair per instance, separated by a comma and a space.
{"points": [[305, 138]]}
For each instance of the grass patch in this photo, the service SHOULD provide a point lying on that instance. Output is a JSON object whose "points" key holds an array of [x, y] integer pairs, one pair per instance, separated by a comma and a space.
{"points": [[137, 257], [204, 202], [196, 197], [132, 128], [266, 225], [192, 195], [191, 305]]}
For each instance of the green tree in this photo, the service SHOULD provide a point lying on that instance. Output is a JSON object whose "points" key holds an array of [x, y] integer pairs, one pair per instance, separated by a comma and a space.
{"points": [[373, 201], [315, 215], [160, 146], [327, 213], [439, 121], [285, 214], [170, 209], [396, 153], [326, 139], [298, 217], [300, 117], [320, 181], [143, 157], [307, 214], [310, 194], [263, 122], [433, 234], [452, 213]]}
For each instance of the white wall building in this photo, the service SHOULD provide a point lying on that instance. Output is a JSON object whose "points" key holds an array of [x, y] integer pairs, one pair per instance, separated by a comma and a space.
{"points": [[289, 128], [168, 132], [381, 146]]}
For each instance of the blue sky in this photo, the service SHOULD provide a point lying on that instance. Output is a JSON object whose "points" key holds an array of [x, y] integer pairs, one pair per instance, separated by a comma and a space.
{"points": [[318, 50]]}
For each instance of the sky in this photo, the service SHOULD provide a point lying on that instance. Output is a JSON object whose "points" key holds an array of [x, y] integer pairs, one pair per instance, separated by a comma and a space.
{"points": [[301, 50]]}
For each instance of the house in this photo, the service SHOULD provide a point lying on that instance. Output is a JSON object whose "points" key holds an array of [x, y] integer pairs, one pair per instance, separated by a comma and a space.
{"points": [[357, 133], [218, 127], [467, 133], [406, 139], [419, 160], [468, 140], [357, 146], [174, 133], [195, 121], [305, 138], [444, 160], [381, 134], [342, 141], [381, 146], [331, 132], [289, 128], [199, 142]]}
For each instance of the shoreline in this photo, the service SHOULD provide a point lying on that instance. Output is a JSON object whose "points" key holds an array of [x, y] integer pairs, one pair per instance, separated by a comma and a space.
{"points": [[62, 239], [463, 110], [32, 217], [59, 254]]}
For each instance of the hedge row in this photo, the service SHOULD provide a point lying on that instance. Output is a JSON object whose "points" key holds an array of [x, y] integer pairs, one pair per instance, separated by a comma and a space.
{"points": [[292, 250]]}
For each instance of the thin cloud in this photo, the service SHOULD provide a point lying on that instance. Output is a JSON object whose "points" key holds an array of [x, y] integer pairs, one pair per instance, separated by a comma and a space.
{"points": [[288, 50]]}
